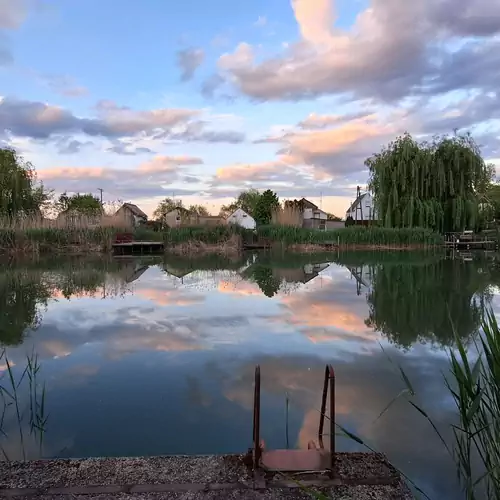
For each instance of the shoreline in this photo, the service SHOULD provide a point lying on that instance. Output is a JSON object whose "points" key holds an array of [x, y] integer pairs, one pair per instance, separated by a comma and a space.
{"points": [[357, 476]]}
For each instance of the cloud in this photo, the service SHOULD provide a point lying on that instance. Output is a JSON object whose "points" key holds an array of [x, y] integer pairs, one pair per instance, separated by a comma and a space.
{"points": [[42, 121], [68, 146], [318, 121], [12, 13], [63, 85], [189, 60], [315, 19], [125, 149], [146, 180], [372, 59]]}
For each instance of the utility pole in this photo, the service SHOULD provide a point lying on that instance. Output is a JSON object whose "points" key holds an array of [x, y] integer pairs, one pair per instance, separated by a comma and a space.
{"points": [[99, 189]]}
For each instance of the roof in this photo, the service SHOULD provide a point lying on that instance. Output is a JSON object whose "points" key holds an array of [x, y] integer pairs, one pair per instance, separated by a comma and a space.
{"points": [[356, 202], [240, 210], [308, 204], [135, 210]]}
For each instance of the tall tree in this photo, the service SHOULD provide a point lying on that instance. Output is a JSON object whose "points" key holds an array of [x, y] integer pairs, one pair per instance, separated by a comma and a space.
{"points": [[20, 192], [165, 206], [198, 210], [268, 202], [85, 204], [246, 200], [436, 184]]}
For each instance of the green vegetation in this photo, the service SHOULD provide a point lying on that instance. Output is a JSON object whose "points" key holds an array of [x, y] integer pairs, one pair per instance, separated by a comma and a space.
{"points": [[352, 236], [20, 193], [413, 302], [246, 200], [268, 202], [85, 204], [13, 404], [438, 185], [475, 387], [50, 239]]}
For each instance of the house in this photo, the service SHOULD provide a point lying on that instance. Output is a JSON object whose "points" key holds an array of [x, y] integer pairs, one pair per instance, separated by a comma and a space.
{"points": [[132, 213], [241, 218], [175, 217], [362, 209], [312, 216], [181, 217]]}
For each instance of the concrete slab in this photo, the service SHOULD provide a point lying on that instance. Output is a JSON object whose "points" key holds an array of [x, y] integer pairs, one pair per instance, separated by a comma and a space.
{"points": [[358, 476]]}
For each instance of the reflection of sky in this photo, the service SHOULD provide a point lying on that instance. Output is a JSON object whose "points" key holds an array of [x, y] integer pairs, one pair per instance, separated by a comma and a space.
{"points": [[168, 368]]}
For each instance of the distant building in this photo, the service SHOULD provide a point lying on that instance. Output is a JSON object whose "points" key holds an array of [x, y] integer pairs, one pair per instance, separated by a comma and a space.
{"points": [[180, 217], [241, 218], [362, 209], [312, 216], [132, 213]]}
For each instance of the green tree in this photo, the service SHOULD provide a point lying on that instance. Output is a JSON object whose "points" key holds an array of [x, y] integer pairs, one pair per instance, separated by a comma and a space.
{"points": [[198, 210], [493, 200], [85, 204], [268, 202], [21, 297], [263, 276], [165, 206], [246, 200], [414, 302], [438, 184], [20, 192]]}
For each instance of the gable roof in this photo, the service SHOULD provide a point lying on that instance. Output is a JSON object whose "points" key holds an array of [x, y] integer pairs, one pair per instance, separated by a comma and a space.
{"points": [[308, 204], [242, 211], [135, 210], [356, 202]]}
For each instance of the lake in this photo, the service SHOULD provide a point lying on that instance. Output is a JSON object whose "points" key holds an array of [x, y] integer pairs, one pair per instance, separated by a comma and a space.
{"points": [[157, 356]]}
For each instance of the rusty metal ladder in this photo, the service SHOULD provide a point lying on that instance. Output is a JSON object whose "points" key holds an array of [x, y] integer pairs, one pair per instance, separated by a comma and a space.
{"points": [[297, 460]]}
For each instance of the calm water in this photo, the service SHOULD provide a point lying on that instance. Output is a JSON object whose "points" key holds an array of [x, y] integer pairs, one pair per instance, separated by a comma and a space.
{"points": [[145, 357]]}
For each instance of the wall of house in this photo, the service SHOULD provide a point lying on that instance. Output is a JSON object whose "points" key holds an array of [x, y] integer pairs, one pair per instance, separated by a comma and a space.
{"points": [[242, 219], [368, 210], [310, 213]]}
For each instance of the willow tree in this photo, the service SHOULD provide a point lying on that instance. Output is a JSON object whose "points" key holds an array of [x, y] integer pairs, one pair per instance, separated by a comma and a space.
{"points": [[436, 184]]}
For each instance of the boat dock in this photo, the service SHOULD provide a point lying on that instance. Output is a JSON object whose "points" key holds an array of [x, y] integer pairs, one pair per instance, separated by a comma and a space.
{"points": [[138, 247]]}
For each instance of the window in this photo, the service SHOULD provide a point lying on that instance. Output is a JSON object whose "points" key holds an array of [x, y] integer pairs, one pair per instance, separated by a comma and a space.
{"points": [[244, 215]]}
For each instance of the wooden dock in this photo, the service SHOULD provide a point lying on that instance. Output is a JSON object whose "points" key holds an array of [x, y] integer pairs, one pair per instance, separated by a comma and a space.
{"points": [[138, 247]]}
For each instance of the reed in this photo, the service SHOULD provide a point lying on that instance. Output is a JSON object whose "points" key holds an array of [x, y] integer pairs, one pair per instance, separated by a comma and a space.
{"points": [[13, 404], [355, 235]]}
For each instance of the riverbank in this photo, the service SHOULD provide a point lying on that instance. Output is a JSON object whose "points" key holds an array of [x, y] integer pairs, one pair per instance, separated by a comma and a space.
{"points": [[358, 476], [219, 239]]}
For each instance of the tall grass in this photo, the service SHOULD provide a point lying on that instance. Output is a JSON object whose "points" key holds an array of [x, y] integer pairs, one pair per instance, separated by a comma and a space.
{"points": [[13, 407], [474, 384], [38, 235], [475, 388], [356, 235]]}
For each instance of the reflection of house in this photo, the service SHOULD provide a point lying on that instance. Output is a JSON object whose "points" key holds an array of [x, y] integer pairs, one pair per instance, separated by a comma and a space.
{"points": [[362, 208], [132, 270], [299, 274], [241, 218], [132, 213], [177, 272]]}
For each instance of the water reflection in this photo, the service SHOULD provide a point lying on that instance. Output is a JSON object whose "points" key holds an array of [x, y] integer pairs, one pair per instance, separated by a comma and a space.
{"points": [[156, 356]]}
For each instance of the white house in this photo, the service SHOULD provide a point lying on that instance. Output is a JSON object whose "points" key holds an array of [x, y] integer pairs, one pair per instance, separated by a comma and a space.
{"points": [[241, 218], [312, 216], [362, 208]]}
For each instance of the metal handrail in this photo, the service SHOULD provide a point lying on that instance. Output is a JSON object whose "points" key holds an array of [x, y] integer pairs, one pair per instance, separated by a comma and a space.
{"points": [[329, 383], [257, 451]]}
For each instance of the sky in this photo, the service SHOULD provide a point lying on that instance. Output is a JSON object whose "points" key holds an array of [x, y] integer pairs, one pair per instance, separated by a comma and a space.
{"points": [[200, 100]]}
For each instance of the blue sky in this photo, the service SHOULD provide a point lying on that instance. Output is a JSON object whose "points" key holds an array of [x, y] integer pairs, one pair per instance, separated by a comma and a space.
{"points": [[204, 99]]}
